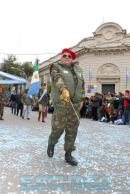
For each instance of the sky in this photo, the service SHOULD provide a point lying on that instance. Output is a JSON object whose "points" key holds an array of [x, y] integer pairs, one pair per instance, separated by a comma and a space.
{"points": [[31, 29]]}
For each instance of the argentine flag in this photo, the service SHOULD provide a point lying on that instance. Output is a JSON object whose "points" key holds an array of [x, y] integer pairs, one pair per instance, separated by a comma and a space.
{"points": [[35, 82], [90, 74]]}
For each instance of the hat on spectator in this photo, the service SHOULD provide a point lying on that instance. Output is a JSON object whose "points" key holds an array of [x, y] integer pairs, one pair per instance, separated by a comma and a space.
{"points": [[43, 84]]}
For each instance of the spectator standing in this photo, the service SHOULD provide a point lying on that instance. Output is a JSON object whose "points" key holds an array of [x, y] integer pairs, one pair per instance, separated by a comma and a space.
{"points": [[27, 102], [13, 101], [43, 102], [95, 106], [126, 105], [19, 105]]}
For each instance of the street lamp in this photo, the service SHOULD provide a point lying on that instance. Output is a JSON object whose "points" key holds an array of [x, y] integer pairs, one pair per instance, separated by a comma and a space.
{"points": [[23, 73]]}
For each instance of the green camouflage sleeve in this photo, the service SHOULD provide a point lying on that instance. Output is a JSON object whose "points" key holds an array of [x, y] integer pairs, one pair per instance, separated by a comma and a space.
{"points": [[57, 78]]}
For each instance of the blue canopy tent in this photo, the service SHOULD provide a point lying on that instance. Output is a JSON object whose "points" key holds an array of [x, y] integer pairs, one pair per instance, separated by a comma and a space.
{"points": [[11, 79]]}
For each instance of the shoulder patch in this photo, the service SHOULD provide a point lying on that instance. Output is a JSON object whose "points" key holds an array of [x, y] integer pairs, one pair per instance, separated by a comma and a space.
{"points": [[65, 71]]}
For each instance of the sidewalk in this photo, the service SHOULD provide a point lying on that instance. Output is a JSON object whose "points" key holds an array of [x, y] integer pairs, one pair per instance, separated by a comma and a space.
{"points": [[103, 153]]}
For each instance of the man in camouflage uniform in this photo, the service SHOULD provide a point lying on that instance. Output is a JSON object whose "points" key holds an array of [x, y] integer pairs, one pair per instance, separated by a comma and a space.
{"points": [[1, 103], [67, 94], [43, 101]]}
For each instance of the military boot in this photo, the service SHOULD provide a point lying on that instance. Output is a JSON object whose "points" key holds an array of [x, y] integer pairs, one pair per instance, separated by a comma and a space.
{"points": [[70, 159], [50, 151]]}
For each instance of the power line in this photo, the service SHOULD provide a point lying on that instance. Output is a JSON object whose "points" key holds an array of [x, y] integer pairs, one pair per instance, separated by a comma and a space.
{"points": [[2, 53]]}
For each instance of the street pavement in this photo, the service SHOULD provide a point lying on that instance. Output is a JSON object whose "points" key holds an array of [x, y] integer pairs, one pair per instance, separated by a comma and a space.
{"points": [[102, 150]]}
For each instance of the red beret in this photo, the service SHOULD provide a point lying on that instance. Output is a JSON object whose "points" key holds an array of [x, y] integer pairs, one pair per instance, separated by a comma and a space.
{"points": [[73, 54]]}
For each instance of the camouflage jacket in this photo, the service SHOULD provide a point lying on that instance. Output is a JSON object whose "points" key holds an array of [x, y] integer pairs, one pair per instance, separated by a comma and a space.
{"points": [[70, 78]]}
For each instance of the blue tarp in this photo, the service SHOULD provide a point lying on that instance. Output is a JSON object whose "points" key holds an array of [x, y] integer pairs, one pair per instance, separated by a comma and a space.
{"points": [[11, 79]]}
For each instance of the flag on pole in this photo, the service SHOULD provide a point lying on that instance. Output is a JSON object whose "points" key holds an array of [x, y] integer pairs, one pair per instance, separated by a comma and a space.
{"points": [[35, 82], [90, 74], [126, 75]]}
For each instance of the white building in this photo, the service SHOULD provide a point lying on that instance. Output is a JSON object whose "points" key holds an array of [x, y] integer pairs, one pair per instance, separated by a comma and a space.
{"points": [[104, 58]]}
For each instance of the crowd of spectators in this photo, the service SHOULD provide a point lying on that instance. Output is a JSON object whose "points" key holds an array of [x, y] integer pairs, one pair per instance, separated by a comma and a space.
{"points": [[21, 104], [110, 108]]}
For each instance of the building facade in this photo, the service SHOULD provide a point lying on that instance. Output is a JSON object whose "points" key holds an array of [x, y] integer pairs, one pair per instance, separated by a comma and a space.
{"points": [[104, 58]]}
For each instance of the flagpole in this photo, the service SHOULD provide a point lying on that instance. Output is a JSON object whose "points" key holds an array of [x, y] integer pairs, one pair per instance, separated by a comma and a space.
{"points": [[90, 77], [126, 83], [126, 77]]}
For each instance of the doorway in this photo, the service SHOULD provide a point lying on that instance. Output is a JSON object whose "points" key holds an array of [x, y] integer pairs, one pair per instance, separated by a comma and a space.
{"points": [[108, 88]]}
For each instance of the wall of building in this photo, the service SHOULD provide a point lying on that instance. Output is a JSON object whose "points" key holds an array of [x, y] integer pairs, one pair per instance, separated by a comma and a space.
{"points": [[92, 62]]}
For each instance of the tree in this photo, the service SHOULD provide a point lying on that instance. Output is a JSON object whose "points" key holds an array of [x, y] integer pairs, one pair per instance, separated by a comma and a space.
{"points": [[27, 67], [15, 68], [11, 66]]}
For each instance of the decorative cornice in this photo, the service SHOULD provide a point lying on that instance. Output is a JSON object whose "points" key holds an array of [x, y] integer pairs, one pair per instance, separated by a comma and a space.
{"points": [[120, 50], [104, 50], [108, 80]]}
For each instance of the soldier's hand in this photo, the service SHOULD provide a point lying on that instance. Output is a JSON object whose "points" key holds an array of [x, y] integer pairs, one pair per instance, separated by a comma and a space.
{"points": [[65, 95]]}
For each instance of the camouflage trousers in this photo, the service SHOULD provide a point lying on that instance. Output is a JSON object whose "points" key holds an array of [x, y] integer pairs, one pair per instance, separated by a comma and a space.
{"points": [[64, 119]]}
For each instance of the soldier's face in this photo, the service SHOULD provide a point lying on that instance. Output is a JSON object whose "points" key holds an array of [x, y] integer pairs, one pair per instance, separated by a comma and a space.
{"points": [[66, 58]]}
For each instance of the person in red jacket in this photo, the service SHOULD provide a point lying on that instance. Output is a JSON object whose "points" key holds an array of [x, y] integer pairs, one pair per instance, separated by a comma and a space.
{"points": [[126, 105]]}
